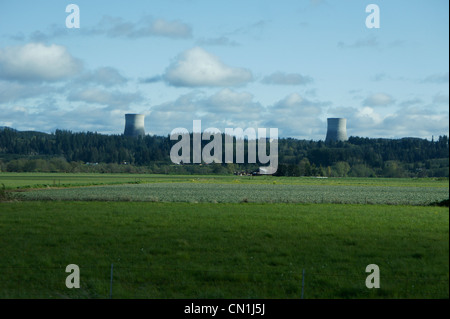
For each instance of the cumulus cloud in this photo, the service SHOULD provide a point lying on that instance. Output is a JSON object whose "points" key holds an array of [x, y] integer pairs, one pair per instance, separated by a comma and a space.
{"points": [[411, 120], [364, 122], [177, 113], [105, 76], [367, 116], [80, 118], [296, 102], [296, 116], [228, 96], [282, 78], [15, 91], [112, 99], [37, 62], [415, 122], [234, 104], [197, 67], [224, 109], [378, 99]]}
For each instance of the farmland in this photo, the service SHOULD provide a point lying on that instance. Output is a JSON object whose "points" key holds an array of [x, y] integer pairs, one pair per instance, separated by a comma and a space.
{"points": [[240, 192], [172, 236], [204, 250], [226, 189], [46, 180]]}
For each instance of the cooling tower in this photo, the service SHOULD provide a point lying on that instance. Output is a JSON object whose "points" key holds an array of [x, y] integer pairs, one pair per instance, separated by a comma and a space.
{"points": [[134, 125], [337, 129]]}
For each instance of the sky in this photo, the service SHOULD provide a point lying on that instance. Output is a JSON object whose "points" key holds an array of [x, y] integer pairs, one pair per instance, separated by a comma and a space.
{"points": [[286, 64]]}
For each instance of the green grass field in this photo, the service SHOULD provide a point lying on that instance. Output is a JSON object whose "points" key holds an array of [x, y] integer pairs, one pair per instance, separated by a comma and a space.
{"points": [[44, 180], [213, 237], [182, 250]]}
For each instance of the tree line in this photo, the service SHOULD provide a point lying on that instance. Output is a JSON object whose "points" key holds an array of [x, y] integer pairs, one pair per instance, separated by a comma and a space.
{"points": [[66, 151]]}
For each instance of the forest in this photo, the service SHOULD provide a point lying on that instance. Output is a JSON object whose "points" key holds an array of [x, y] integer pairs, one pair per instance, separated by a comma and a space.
{"points": [[66, 151]]}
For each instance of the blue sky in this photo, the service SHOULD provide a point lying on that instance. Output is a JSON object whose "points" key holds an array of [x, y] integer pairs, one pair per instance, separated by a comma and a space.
{"points": [[282, 64]]}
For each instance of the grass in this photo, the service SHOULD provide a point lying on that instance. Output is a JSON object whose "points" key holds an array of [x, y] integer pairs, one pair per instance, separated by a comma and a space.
{"points": [[44, 180], [225, 250]]}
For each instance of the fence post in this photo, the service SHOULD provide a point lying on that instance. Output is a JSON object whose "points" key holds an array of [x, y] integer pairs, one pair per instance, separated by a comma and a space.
{"points": [[111, 282], [303, 282]]}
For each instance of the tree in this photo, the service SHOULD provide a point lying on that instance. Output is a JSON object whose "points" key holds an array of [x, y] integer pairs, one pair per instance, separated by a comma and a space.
{"points": [[361, 170], [305, 167], [341, 168], [393, 169]]}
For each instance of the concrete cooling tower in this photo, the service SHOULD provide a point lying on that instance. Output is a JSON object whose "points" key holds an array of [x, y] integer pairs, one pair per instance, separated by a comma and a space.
{"points": [[134, 125], [337, 129]]}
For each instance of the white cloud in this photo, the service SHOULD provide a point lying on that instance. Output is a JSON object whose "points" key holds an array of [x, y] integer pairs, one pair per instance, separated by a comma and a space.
{"points": [[105, 76], [378, 99], [233, 103], [14, 91], [282, 78], [220, 41], [166, 28], [296, 103], [37, 62], [363, 122], [296, 116], [367, 116], [81, 118], [112, 99], [223, 109], [415, 123], [148, 27], [116, 27], [408, 121], [196, 68]]}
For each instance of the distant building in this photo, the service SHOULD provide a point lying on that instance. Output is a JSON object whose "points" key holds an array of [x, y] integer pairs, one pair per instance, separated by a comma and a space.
{"points": [[134, 125], [337, 130]]}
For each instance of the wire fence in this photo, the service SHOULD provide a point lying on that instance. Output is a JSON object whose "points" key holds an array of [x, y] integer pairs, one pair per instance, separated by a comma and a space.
{"points": [[168, 281]]}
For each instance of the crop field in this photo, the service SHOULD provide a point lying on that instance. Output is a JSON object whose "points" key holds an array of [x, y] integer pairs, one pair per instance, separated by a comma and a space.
{"points": [[226, 189], [170, 236], [238, 192]]}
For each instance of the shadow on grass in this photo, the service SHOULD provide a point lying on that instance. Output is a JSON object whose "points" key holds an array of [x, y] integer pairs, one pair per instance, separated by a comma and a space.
{"points": [[442, 203]]}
